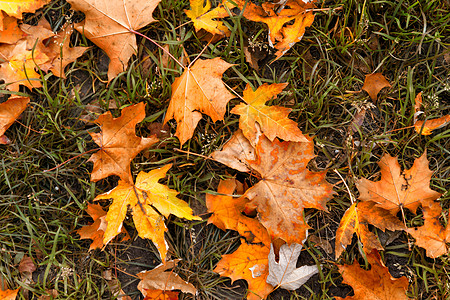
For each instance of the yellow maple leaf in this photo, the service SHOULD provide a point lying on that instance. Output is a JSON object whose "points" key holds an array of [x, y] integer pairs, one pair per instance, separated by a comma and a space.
{"points": [[203, 19], [141, 197], [272, 120], [16, 8]]}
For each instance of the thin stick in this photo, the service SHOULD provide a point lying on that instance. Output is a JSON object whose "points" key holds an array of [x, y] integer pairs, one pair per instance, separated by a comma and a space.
{"points": [[63, 163], [348, 190], [189, 153]]}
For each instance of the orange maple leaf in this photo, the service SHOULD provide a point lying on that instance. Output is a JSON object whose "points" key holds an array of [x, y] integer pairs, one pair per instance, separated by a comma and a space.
{"points": [[143, 198], [160, 295], [356, 220], [17, 65], [10, 110], [162, 279], [16, 8], [276, 17], [11, 32], [227, 214], [110, 25], [397, 190], [96, 230], [374, 284], [8, 294], [249, 262], [432, 236], [272, 120], [286, 186], [203, 18], [199, 90], [118, 143], [36, 34], [374, 83]]}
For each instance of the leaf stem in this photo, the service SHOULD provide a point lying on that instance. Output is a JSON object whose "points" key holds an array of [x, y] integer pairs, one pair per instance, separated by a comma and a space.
{"points": [[63, 163]]}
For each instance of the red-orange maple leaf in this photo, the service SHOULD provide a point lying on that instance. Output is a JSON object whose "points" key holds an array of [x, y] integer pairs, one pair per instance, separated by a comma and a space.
{"points": [[396, 189], [374, 284], [10, 110], [199, 90], [286, 186], [118, 143]]}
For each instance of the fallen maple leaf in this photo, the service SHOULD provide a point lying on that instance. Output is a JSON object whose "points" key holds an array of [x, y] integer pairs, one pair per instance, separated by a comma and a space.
{"points": [[272, 120], [96, 230], [374, 284], [227, 214], [374, 83], [149, 202], [8, 294], [11, 32], [284, 273], [432, 236], [398, 190], [203, 19], [249, 262], [17, 66], [427, 127], [10, 110], [161, 279], [118, 143], [276, 16], [16, 8], [160, 295], [36, 34], [110, 24], [356, 220], [286, 186], [198, 90]]}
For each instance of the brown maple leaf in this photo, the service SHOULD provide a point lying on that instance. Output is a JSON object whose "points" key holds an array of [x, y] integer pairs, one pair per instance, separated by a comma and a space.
{"points": [[110, 24], [374, 284], [272, 120], [163, 279], [357, 219], [10, 110], [286, 186], [96, 230], [118, 143], [16, 8], [374, 83], [149, 202], [199, 90], [432, 236], [36, 34], [249, 262], [398, 190]]}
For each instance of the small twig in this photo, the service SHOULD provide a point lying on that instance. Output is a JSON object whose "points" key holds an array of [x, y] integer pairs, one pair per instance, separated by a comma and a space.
{"points": [[348, 190], [189, 153], [63, 163]]}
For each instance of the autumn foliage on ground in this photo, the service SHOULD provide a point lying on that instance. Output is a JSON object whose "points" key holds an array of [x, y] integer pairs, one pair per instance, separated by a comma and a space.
{"points": [[284, 184]]}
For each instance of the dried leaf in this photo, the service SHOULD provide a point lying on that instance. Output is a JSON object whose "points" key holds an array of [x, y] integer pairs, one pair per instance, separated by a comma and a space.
{"points": [[203, 19], [249, 262], [16, 8], [8, 294], [284, 273], [199, 90], [10, 110], [96, 230], [160, 295], [147, 199], [108, 24], [273, 120], [18, 64], [161, 279], [374, 83], [396, 189], [427, 127], [356, 220], [227, 214], [374, 284], [286, 186], [11, 32], [432, 236], [118, 143]]}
